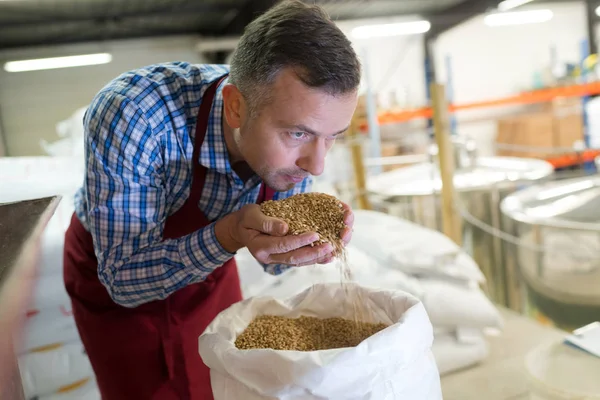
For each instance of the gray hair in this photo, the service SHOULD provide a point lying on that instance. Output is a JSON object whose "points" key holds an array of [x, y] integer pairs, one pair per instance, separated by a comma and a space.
{"points": [[296, 35]]}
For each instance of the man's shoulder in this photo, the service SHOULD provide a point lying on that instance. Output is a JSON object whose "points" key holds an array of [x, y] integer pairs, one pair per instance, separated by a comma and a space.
{"points": [[158, 89], [176, 75]]}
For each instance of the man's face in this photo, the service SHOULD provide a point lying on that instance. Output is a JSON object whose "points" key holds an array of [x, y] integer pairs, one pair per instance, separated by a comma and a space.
{"points": [[288, 137]]}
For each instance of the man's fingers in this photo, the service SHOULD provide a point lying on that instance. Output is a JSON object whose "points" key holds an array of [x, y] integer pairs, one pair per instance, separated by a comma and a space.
{"points": [[346, 235], [348, 215], [323, 260], [305, 255], [326, 260], [267, 246], [255, 219], [349, 222]]}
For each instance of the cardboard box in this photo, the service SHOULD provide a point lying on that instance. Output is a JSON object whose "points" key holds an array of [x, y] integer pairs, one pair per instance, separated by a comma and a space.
{"points": [[542, 134]]}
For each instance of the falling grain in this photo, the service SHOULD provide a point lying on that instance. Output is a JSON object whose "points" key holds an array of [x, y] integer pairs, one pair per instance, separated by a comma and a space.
{"points": [[323, 214]]}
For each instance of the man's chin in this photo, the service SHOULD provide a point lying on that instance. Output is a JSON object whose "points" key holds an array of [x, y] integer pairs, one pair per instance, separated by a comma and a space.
{"points": [[280, 185]]}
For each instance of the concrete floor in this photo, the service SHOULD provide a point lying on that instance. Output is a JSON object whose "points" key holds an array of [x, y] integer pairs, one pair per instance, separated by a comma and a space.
{"points": [[502, 376]]}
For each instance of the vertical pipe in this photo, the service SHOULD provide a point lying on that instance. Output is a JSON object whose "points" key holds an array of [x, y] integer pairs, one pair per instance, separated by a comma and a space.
{"points": [[553, 56], [498, 267], [451, 222], [357, 158], [428, 82], [591, 25], [585, 52], [374, 136], [3, 144], [539, 251], [450, 92], [429, 77]]}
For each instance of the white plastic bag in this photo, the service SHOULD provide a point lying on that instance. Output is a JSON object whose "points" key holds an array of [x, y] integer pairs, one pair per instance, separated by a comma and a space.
{"points": [[457, 350], [412, 248], [458, 305], [395, 363], [54, 369], [48, 327], [87, 390]]}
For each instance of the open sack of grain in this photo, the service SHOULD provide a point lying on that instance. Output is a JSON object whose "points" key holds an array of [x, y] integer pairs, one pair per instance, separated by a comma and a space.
{"points": [[394, 363], [333, 340]]}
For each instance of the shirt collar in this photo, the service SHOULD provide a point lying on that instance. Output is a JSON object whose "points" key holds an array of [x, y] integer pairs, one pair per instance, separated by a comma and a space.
{"points": [[213, 153]]}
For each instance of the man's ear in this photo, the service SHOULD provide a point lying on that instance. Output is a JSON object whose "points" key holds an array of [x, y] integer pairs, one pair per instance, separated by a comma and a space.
{"points": [[234, 106]]}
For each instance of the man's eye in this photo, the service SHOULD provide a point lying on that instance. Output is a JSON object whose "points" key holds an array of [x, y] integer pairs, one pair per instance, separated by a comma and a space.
{"points": [[298, 135]]}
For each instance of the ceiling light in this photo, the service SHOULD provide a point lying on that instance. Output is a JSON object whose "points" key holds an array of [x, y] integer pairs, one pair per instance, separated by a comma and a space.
{"points": [[598, 11], [518, 18], [57, 62], [393, 29], [510, 4]]}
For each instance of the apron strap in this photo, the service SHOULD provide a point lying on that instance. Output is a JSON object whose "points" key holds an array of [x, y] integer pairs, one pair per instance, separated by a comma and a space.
{"points": [[198, 170], [189, 218]]}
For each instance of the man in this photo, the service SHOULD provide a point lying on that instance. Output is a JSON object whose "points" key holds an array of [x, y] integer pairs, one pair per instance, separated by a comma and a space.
{"points": [[177, 157]]}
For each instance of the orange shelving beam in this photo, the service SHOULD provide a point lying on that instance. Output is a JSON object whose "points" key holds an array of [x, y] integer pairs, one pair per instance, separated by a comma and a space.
{"points": [[569, 160], [536, 96]]}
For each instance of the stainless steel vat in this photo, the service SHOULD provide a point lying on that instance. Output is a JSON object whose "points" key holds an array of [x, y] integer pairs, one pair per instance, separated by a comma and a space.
{"points": [[558, 252], [413, 193]]}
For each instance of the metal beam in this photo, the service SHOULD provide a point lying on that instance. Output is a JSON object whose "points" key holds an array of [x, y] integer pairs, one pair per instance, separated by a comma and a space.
{"points": [[448, 18], [112, 17], [83, 38], [3, 144], [246, 14], [591, 19]]}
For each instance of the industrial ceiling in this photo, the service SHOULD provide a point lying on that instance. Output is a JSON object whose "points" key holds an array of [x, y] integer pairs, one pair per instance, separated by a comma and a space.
{"points": [[26, 23]]}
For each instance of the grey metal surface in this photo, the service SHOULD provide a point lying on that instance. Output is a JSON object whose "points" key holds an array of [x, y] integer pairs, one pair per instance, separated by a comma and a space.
{"points": [[569, 204], [21, 225], [424, 179], [17, 222], [414, 193], [558, 253]]}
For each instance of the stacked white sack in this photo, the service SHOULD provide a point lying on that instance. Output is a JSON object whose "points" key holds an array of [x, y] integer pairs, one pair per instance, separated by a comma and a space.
{"points": [[449, 279], [52, 362]]}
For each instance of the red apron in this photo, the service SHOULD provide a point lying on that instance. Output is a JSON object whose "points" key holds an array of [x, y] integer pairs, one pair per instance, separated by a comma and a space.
{"points": [[151, 351]]}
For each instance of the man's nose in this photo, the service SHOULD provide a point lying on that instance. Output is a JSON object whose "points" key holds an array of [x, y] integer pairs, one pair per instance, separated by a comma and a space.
{"points": [[313, 160]]}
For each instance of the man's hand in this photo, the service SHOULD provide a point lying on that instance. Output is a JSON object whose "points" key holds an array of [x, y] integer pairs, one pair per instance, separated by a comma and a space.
{"points": [[266, 239], [349, 222]]}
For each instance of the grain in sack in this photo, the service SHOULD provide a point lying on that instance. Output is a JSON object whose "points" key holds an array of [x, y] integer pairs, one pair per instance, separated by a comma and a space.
{"points": [[396, 362]]}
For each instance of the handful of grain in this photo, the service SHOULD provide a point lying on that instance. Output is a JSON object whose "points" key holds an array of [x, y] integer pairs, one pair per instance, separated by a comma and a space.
{"points": [[304, 333], [310, 212]]}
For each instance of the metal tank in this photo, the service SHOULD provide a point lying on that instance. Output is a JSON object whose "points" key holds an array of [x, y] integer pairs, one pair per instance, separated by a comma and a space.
{"points": [[558, 249], [414, 193]]}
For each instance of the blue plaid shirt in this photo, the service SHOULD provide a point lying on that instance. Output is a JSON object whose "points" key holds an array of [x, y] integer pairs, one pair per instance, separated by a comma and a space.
{"points": [[139, 135]]}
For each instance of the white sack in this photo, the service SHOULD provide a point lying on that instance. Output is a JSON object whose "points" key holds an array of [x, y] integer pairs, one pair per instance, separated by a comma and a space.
{"points": [[46, 372], [458, 305], [253, 278], [455, 350], [33, 177], [50, 292], [48, 326], [87, 391], [396, 363], [412, 248]]}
